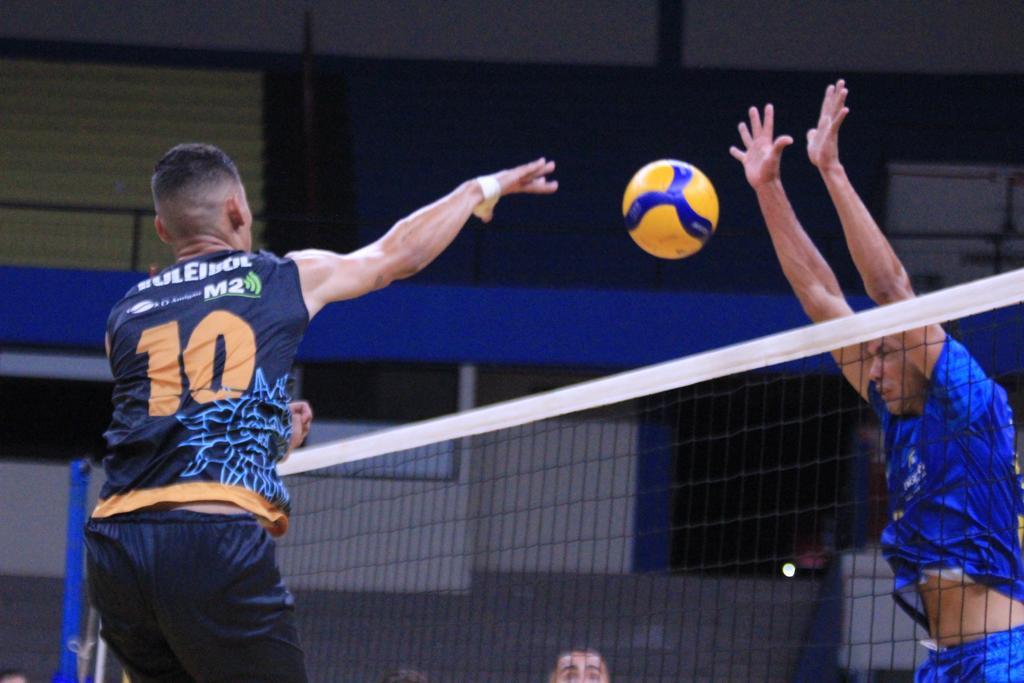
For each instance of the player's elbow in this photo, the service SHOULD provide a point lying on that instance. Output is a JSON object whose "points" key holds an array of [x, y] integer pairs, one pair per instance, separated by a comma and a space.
{"points": [[889, 284], [816, 312], [889, 293], [821, 304]]}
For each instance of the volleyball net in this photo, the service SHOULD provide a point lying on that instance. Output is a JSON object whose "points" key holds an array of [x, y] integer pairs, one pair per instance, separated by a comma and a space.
{"points": [[713, 518]]}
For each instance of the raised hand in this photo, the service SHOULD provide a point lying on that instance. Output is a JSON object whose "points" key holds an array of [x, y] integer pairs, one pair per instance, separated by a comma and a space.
{"points": [[823, 140], [762, 153], [529, 178]]}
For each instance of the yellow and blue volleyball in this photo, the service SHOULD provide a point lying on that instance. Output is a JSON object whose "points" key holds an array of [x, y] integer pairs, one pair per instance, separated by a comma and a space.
{"points": [[670, 209]]}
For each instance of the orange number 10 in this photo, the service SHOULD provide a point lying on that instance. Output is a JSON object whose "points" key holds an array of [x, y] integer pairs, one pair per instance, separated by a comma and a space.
{"points": [[163, 346]]}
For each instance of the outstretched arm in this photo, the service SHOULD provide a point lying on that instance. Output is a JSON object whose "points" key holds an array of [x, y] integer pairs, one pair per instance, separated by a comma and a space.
{"points": [[414, 241], [806, 270], [885, 279], [808, 273]]}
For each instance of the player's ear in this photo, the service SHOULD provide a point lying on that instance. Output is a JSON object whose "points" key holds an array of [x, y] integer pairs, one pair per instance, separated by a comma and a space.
{"points": [[234, 210], [161, 230]]}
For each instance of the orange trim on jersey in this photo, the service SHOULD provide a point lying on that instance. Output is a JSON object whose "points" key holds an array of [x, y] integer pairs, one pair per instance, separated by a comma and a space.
{"points": [[271, 517]]}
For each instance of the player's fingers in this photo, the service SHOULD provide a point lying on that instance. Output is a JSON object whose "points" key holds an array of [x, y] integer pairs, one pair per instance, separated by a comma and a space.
{"points": [[755, 121], [536, 181], [769, 118], [782, 142], [827, 103], [737, 154], [544, 169], [841, 94], [516, 174], [526, 173], [541, 186], [840, 117], [533, 167], [745, 135]]}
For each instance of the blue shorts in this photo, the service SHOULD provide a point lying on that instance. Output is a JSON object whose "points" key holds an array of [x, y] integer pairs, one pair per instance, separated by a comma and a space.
{"points": [[186, 596], [998, 658]]}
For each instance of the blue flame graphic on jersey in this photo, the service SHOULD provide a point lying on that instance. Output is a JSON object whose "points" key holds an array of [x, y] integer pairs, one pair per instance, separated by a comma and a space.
{"points": [[246, 437]]}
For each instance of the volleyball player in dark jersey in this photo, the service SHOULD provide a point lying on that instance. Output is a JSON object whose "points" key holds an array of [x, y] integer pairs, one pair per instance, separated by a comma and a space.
{"points": [[180, 564], [955, 497]]}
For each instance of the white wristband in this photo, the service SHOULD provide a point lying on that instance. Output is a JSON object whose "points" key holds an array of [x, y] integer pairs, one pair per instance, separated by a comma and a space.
{"points": [[490, 185], [492, 193]]}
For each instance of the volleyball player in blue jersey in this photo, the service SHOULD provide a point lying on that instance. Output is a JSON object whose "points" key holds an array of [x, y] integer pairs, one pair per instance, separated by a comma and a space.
{"points": [[955, 498], [180, 564]]}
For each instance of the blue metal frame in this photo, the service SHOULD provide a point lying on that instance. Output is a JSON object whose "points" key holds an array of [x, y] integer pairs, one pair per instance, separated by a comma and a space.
{"points": [[73, 574]]}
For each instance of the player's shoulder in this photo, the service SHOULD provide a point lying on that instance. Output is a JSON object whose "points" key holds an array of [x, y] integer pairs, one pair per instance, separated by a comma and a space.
{"points": [[953, 349], [315, 264], [264, 262], [955, 364], [132, 301], [268, 256], [303, 256]]}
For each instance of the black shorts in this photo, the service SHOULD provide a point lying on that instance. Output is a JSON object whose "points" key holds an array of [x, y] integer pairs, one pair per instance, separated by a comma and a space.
{"points": [[188, 596]]}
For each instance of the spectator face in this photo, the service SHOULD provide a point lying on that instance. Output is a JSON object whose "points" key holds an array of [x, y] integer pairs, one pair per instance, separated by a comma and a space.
{"points": [[581, 667]]}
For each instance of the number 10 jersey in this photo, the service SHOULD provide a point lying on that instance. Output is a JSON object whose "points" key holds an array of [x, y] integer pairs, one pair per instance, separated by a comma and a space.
{"points": [[200, 355]]}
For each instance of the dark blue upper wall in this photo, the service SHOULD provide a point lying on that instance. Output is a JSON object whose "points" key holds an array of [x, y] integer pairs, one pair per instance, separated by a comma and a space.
{"points": [[415, 129], [419, 128]]}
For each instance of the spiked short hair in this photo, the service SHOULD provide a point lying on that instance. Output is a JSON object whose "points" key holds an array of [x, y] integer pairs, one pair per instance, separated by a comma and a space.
{"points": [[190, 166]]}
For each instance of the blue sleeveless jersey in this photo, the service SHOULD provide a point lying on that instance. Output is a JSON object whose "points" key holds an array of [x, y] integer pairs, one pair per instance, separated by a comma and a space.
{"points": [[200, 356], [955, 493]]}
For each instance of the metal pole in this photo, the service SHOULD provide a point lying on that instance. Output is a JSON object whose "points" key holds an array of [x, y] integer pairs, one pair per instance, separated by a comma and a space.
{"points": [[87, 643], [100, 674], [73, 570], [136, 239], [309, 112], [466, 400], [467, 387]]}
